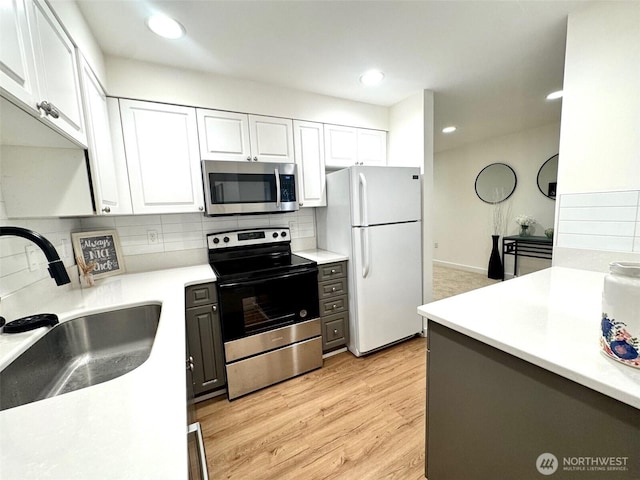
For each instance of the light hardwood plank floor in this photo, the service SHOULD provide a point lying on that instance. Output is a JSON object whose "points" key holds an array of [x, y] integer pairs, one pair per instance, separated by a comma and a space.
{"points": [[355, 418]]}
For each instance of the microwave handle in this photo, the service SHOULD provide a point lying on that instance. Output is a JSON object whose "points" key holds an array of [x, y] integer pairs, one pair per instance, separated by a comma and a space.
{"points": [[277, 174]]}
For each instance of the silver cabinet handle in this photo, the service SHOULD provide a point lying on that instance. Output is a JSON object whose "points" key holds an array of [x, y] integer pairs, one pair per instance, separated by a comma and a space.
{"points": [[335, 331], [249, 158], [49, 109], [201, 208], [334, 306], [333, 289], [255, 159], [214, 308], [333, 270], [190, 364], [106, 209]]}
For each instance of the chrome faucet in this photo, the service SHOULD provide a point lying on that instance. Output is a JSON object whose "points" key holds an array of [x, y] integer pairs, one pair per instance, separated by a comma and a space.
{"points": [[56, 267]]}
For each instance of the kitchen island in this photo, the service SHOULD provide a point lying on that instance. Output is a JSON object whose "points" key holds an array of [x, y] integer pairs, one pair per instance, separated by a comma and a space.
{"points": [[131, 427], [517, 386]]}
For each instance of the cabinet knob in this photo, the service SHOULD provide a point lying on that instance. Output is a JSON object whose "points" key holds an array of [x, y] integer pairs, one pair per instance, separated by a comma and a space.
{"points": [[335, 331], [334, 306], [333, 270], [201, 208], [333, 289], [48, 108], [255, 159], [106, 209], [248, 158], [214, 308]]}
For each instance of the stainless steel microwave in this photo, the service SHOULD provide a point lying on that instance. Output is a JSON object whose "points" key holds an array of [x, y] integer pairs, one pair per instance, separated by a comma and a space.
{"points": [[248, 187]]}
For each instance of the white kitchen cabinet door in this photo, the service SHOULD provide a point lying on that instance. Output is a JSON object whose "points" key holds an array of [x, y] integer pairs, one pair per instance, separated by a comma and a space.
{"points": [[17, 61], [223, 135], [161, 145], [271, 139], [372, 147], [309, 153], [111, 195], [341, 146], [57, 71]]}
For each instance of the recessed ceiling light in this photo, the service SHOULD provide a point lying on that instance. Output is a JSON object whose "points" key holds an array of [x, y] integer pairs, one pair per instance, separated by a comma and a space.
{"points": [[449, 129], [371, 77], [165, 27], [554, 95]]}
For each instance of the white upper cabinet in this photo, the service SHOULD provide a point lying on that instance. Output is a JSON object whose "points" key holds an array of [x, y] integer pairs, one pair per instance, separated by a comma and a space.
{"points": [[309, 153], [271, 139], [39, 67], [223, 135], [241, 137], [17, 61], [109, 177], [163, 160], [346, 146]]}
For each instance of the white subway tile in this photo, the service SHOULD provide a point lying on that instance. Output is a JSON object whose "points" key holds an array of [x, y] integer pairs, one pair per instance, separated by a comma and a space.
{"points": [[138, 230], [595, 242], [182, 218], [179, 236], [624, 229], [613, 214], [98, 223], [132, 220], [142, 249], [182, 227], [13, 264], [183, 245], [253, 221], [600, 199]]}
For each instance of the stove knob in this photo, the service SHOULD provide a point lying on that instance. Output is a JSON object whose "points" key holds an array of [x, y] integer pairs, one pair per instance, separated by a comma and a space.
{"points": [[216, 240], [226, 239], [275, 234], [283, 234]]}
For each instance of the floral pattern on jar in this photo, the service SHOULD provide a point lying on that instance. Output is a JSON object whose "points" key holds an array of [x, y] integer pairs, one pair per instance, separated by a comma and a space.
{"points": [[618, 343]]}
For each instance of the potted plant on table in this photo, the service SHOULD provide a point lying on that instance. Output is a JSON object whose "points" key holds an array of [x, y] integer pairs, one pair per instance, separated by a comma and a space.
{"points": [[525, 221]]}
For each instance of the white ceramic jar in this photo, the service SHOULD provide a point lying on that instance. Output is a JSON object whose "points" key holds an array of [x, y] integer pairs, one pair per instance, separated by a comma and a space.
{"points": [[620, 326]]}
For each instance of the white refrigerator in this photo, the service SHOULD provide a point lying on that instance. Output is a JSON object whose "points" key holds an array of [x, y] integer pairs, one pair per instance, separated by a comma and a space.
{"points": [[373, 215]]}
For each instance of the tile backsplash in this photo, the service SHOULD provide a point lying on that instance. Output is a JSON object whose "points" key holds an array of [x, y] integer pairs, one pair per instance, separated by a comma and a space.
{"points": [[148, 242], [604, 221]]}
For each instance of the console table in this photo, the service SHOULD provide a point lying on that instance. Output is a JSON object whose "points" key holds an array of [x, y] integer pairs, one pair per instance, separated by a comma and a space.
{"points": [[535, 247]]}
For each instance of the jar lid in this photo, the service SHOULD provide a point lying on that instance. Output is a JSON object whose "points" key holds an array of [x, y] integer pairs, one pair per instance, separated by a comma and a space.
{"points": [[630, 269]]}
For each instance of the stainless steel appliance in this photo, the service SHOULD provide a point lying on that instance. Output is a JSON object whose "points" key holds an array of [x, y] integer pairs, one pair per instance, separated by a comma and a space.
{"points": [[269, 310], [248, 187]]}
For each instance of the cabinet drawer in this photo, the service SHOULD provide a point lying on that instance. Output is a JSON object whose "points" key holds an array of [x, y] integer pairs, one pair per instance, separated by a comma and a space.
{"points": [[202, 294], [332, 288], [335, 331], [331, 271], [334, 305]]}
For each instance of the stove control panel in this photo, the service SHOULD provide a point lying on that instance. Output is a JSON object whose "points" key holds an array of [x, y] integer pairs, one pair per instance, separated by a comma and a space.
{"points": [[247, 237]]}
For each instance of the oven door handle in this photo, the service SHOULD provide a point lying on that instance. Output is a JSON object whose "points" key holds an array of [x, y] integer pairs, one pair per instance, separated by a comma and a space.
{"points": [[278, 193], [262, 280]]}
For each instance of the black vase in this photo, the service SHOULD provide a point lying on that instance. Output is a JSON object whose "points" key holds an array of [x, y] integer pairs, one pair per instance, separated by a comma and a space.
{"points": [[495, 270]]}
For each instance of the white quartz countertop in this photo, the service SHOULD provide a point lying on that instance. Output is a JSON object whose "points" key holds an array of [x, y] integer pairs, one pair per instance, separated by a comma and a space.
{"points": [[132, 427], [549, 318], [322, 256]]}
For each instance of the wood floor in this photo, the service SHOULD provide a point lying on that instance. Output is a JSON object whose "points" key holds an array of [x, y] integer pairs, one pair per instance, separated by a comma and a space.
{"points": [[355, 418]]}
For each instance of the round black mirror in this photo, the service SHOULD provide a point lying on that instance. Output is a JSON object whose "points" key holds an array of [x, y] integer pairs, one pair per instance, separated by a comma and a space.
{"points": [[495, 183], [548, 177]]}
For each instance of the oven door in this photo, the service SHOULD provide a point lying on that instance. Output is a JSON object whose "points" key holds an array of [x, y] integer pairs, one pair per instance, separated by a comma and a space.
{"points": [[239, 187], [262, 304]]}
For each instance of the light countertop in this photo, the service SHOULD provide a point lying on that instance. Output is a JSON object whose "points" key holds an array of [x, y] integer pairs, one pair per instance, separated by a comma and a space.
{"points": [[549, 318], [322, 256], [132, 427]]}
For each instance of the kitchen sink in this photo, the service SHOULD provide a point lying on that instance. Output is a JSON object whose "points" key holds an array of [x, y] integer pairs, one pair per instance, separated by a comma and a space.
{"points": [[79, 353]]}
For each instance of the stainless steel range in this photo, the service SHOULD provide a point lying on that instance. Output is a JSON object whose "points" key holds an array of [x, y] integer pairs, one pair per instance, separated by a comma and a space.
{"points": [[268, 300]]}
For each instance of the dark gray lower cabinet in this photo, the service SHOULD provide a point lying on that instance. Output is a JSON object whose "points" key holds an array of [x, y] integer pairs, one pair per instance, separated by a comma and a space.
{"points": [[334, 305], [204, 338], [491, 415]]}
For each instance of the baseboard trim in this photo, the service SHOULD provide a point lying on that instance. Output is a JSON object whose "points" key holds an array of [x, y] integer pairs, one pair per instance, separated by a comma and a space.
{"points": [[459, 266]]}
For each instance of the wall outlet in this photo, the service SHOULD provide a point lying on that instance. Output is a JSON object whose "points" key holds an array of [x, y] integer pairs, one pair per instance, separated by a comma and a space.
{"points": [[62, 248], [152, 237], [435, 245], [32, 257]]}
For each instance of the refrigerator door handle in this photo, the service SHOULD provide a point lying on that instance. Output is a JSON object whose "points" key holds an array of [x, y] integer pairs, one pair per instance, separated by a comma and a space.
{"points": [[277, 174], [363, 190], [365, 252]]}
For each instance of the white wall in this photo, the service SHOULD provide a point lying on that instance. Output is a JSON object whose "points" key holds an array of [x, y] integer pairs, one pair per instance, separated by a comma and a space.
{"points": [[407, 123], [147, 81], [600, 141], [463, 223]]}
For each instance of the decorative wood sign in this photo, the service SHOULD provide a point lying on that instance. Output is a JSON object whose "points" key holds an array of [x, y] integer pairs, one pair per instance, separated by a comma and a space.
{"points": [[102, 248]]}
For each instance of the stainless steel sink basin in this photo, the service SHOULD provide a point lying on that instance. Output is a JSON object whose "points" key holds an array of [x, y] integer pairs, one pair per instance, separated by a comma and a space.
{"points": [[79, 353]]}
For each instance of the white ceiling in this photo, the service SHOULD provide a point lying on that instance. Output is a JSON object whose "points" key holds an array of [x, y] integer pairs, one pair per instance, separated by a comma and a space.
{"points": [[490, 63]]}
